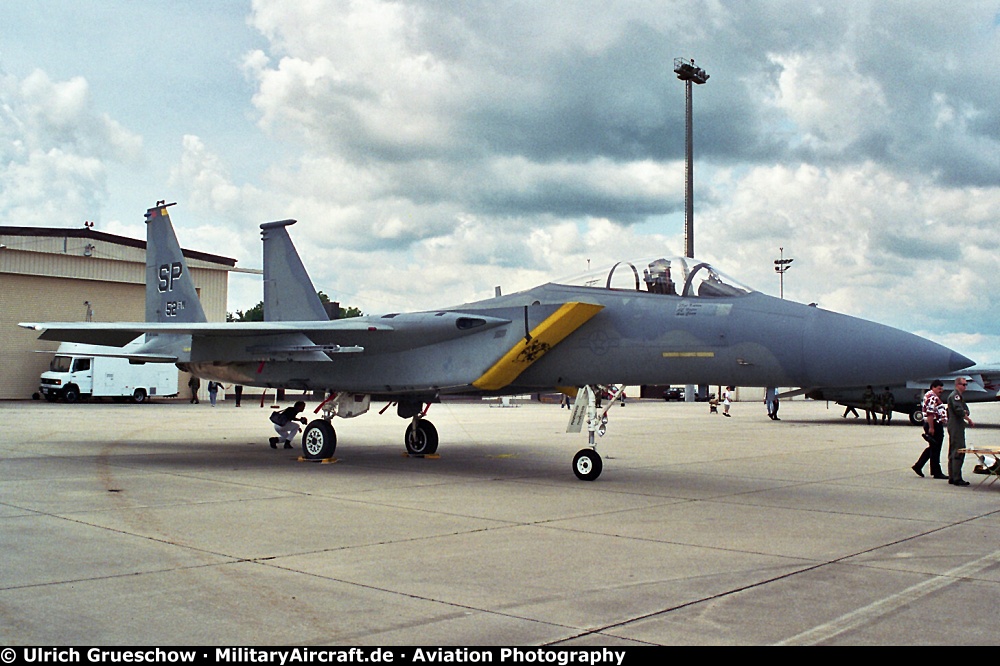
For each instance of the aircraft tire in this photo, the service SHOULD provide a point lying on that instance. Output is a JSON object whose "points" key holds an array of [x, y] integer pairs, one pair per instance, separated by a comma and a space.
{"points": [[319, 440], [587, 464], [917, 416], [421, 440]]}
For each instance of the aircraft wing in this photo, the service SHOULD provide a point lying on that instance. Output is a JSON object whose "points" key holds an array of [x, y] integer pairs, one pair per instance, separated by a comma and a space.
{"points": [[983, 378], [305, 340], [120, 334]]}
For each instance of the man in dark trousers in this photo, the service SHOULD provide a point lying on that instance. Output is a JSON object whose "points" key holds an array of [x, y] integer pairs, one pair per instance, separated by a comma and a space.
{"points": [[888, 404], [958, 419], [935, 417], [194, 384], [868, 399]]}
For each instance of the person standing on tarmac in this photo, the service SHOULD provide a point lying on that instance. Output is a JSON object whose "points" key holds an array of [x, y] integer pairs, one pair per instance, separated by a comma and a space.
{"points": [[888, 404], [935, 418], [868, 400], [194, 384], [958, 419]]}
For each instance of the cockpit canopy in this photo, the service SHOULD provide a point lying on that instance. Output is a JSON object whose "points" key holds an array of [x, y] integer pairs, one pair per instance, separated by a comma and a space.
{"points": [[677, 276]]}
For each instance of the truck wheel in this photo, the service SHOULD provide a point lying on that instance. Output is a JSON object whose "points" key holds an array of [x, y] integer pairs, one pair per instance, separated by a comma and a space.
{"points": [[71, 394], [139, 396]]}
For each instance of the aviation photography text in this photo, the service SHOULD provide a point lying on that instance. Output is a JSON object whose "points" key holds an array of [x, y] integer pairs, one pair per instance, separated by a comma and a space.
{"points": [[291, 656]]}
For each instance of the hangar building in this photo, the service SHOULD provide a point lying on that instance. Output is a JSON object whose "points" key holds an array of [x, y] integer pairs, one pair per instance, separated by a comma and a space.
{"points": [[79, 274]]}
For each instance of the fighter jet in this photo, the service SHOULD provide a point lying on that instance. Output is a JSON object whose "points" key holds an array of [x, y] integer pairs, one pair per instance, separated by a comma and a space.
{"points": [[657, 321], [983, 386]]}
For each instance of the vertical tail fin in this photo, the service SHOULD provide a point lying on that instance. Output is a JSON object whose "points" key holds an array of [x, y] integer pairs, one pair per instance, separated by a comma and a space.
{"points": [[289, 294], [170, 292]]}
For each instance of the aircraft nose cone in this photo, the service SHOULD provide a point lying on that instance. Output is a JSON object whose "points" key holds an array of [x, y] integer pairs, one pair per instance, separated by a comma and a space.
{"points": [[845, 351], [959, 361]]}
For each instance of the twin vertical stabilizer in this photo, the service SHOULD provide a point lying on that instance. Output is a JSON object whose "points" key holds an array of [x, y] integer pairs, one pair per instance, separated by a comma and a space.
{"points": [[289, 294], [170, 293]]}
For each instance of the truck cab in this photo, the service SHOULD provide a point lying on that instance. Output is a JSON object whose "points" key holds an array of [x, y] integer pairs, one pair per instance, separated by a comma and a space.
{"points": [[68, 377]]}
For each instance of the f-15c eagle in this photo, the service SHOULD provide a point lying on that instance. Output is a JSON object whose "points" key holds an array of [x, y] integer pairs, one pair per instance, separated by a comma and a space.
{"points": [[667, 320]]}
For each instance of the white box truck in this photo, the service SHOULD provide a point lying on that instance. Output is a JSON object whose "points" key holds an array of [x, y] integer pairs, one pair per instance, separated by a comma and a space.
{"points": [[74, 374]]}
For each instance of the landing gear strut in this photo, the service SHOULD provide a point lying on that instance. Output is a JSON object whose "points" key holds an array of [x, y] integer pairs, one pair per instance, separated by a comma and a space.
{"points": [[319, 439], [587, 463]]}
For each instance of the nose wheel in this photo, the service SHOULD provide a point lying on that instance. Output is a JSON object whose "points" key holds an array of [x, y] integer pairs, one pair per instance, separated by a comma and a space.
{"points": [[587, 465]]}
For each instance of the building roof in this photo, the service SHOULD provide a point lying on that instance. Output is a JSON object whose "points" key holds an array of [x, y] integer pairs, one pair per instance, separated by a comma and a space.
{"points": [[90, 234]]}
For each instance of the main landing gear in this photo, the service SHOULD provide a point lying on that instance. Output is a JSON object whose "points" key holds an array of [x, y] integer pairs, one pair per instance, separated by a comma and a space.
{"points": [[587, 463], [319, 439], [421, 437]]}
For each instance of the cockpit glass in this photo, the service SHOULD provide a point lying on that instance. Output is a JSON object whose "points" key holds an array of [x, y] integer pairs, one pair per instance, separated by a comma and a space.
{"points": [[677, 276], [706, 282]]}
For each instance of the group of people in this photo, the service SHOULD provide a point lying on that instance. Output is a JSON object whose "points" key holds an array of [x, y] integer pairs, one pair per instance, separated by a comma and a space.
{"points": [[953, 415], [213, 391], [728, 396], [875, 406], [287, 422]]}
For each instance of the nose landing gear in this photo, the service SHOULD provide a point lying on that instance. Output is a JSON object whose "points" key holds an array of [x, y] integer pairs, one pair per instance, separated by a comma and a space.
{"points": [[587, 463]]}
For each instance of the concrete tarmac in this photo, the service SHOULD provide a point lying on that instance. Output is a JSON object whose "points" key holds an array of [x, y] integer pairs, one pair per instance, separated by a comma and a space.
{"points": [[176, 524]]}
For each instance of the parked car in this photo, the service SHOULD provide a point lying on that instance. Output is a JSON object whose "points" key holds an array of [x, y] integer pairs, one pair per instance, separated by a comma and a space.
{"points": [[673, 393]]}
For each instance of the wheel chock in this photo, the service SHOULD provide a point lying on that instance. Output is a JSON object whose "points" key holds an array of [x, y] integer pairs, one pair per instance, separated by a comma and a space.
{"points": [[322, 461]]}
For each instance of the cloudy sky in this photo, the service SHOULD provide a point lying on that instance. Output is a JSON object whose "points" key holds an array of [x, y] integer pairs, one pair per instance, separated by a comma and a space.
{"points": [[434, 149]]}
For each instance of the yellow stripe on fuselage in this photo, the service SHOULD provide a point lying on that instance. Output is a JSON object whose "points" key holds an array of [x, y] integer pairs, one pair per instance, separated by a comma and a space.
{"points": [[689, 354], [544, 337]]}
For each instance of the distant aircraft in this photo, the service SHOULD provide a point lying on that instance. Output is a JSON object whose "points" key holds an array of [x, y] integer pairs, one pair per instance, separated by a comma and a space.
{"points": [[984, 386], [660, 321]]}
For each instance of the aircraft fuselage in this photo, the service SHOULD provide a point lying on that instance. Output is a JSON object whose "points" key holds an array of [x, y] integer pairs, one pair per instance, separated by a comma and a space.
{"points": [[636, 338]]}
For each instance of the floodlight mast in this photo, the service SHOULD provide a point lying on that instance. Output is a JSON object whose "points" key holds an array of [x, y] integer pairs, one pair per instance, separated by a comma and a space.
{"points": [[687, 72], [780, 266]]}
